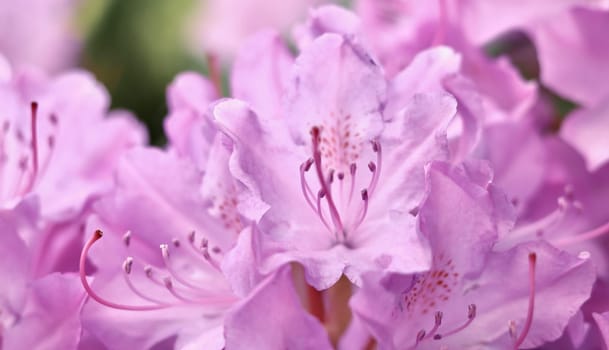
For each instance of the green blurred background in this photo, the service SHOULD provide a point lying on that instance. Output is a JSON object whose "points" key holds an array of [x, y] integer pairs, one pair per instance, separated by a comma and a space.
{"points": [[135, 48]]}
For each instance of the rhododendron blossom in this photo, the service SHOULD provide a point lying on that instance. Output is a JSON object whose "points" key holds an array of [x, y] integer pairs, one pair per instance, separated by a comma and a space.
{"points": [[374, 179]]}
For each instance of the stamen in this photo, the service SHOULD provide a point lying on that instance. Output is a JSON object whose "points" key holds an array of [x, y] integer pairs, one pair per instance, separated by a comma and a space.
{"points": [[127, 267], [208, 258], [376, 147], [34, 147], [83, 279], [320, 195], [471, 314], [529, 320], [438, 321], [352, 171], [596, 232], [306, 190], [324, 185], [540, 226], [420, 337], [364, 211], [176, 274], [34, 132], [218, 300]]}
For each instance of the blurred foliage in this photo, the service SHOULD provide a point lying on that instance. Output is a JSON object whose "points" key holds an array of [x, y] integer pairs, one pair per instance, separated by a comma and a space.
{"points": [[135, 48]]}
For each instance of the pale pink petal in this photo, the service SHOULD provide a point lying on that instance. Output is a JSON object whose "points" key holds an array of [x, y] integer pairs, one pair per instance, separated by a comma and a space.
{"points": [[260, 73], [273, 318], [336, 84], [586, 130], [51, 316]]}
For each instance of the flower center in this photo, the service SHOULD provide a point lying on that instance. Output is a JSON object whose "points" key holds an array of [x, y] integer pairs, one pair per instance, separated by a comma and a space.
{"points": [[333, 203]]}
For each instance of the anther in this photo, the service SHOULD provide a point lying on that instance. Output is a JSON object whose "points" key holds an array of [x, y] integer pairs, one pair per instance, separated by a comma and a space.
{"points": [[471, 311], [372, 166], [341, 176], [512, 329], [375, 146], [127, 264], [437, 323], [53, 119], [352, 169], [420, 336], [148, 271], [364, 194], [175, 242], [127, 238], [306, 166], [471, 315], [191, 236], [165, 251]]}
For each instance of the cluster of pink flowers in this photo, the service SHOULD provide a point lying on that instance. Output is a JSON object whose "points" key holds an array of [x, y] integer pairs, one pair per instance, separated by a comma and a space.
{"points": [[381, 184]]}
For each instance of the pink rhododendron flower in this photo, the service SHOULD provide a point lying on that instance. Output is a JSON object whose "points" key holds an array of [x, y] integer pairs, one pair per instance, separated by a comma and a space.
{"points": [[474, 296], [357, 172], [45, 193], [44, 121], [382, 184]]}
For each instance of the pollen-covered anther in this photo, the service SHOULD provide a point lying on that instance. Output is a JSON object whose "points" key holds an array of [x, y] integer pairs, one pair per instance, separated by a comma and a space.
{"points": [[364, 194], [420, 336], [127, 264], [512, 329], [164, 251], [437, 323], [372, 166], [127, 238], [148, 271]]}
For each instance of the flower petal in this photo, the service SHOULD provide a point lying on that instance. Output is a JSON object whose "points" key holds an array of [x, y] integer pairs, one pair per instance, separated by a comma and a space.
{"points": [[273, 318], [260, 73], [585, 130], [51, 317]]}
